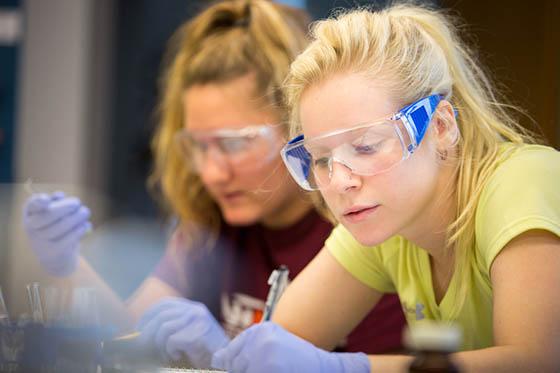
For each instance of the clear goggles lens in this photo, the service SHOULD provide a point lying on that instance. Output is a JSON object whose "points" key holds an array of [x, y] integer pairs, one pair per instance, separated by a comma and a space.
{"points": [[244, 148], [365, 150]]}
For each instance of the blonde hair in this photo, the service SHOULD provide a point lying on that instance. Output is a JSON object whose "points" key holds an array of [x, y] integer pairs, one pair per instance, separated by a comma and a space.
{"points": [[226, 41], [417, 52]]}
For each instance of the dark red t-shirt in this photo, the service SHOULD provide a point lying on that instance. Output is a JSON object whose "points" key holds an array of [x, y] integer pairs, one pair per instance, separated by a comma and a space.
{"points": [[231, 278]]}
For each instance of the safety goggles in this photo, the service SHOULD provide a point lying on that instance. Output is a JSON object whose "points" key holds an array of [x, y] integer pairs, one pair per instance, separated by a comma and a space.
{"points": [[367, 149], [243, 148]]}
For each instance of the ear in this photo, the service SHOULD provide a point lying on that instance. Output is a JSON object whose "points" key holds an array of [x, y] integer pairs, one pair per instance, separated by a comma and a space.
{"points": [[445, 127]]}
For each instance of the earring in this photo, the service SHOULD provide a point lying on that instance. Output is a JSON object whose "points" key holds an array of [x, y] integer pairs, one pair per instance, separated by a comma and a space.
{"points": [[442, 155]]}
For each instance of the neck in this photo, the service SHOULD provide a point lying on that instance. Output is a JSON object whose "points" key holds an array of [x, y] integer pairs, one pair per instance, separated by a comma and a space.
{"points": [[289, 212]]}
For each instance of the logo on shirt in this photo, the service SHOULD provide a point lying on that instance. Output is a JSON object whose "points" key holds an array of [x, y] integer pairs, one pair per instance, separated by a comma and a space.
{"points": [[240, 311], [416, 310]]}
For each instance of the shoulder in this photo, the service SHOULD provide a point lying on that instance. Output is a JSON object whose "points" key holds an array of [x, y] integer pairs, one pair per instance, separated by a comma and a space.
{"points": [[518, 160], [521, 194], [528, 171], [193, 240]]}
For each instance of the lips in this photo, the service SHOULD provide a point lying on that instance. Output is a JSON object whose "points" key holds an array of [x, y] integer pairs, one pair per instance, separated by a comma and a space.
{"points": [[232, 196], [359, 213]]}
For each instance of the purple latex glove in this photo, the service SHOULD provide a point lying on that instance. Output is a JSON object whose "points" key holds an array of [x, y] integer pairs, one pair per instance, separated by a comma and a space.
{"points": [[181, 326], [267, 347], [54, 225]]}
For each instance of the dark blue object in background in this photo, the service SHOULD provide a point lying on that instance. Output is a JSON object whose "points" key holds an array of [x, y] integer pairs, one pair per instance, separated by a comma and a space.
{"points": [[8, 72], [143, 29]]}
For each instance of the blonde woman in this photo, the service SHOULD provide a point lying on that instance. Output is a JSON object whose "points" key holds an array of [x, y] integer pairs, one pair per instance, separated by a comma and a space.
{"points": [[219, 169], [440, 196]]}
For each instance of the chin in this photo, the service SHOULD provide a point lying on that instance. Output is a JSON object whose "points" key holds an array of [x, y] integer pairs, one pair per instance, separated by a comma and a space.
{"points": [[235, 217], [367, 235]]}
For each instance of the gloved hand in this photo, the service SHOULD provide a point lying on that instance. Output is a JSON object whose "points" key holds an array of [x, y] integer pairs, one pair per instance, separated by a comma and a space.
{"points": [[178, 325], [54, 225], [267, 347]]}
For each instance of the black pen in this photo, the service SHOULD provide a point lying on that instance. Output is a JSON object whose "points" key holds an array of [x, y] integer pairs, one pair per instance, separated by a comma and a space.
{"points": [[278, 281]]}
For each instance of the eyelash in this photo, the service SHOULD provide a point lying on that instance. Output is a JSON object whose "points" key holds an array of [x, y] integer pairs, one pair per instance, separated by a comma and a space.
{"points": [[360, 149], [367, 148]]}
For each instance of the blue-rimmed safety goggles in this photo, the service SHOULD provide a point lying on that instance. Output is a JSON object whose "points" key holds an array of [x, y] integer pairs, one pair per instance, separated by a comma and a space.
{"points": [[367, 149]]}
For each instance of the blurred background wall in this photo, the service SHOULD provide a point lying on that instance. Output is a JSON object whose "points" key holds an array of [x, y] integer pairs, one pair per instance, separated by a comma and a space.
{"points": [[78, 86]]}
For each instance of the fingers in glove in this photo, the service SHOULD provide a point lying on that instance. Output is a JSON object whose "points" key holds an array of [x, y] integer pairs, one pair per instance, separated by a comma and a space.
{"points": [[57, 195], [150, 329], [36, 203], [74, 236], [239, 364], [227, 357], [157, 308], [56, 210], [169, 328], [63, 227]]}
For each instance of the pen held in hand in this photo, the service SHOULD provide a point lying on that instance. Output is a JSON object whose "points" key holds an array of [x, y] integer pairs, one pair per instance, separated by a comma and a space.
{"points": [[278, 281]]}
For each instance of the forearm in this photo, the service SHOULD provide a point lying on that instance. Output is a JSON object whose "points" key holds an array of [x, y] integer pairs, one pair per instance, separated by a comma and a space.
{"points": [[389, 363], [112, 310], [506, 359], [336, 305], [509, 359]]}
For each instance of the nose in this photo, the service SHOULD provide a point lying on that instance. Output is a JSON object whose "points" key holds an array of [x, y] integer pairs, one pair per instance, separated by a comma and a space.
{"points": [[215, 168], [342, 177]]}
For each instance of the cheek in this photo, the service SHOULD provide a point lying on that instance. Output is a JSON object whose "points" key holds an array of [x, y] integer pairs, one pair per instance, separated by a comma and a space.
{"points": [[269, 183], [330, 199], [406, 185], [267, 175], [205, 179], [414, 182], [207, 184]]}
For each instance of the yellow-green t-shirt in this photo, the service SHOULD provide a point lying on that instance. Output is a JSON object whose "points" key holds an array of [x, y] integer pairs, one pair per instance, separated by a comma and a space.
{"points": [[522, 194]]}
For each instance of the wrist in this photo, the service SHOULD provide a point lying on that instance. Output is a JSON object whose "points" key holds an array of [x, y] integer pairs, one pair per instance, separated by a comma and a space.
{"points": [[347, 362], [63, 268]]}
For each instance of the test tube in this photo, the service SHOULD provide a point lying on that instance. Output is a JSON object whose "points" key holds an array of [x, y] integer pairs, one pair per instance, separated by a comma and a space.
{"points": [[34, 299], [29, 297], [38, 302], [4, 315]]}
